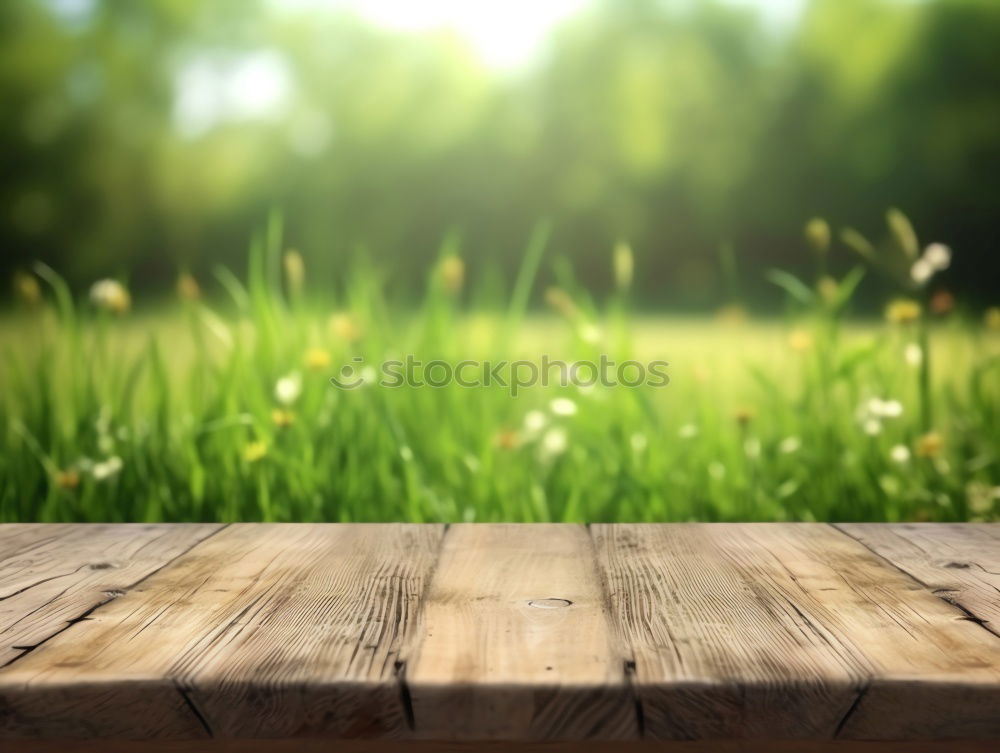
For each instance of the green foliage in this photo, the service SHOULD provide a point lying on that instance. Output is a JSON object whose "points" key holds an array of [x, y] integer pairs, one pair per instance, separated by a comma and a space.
{"points": [[223, 410], [667, 122]]}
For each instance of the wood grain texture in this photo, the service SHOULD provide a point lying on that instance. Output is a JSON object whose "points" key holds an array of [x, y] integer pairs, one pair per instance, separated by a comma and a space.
{"points": [[517, 643], [261, 631], [959, 562], [319, 745], [412, 636], [772, 630], [51, 575]]}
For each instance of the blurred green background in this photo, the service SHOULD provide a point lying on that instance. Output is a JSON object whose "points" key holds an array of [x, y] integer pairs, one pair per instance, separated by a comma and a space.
{"points": [[144, 138]]}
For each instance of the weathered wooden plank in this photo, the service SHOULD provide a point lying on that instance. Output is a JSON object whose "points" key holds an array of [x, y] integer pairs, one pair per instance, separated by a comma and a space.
{"points": [[51, 575], [517, 644], [959, 562], [742, 631], [319, 745], [262, 631]]}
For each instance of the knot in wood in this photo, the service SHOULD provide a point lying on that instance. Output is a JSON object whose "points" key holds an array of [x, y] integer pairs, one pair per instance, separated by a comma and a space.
{"points": [[549, 603]]}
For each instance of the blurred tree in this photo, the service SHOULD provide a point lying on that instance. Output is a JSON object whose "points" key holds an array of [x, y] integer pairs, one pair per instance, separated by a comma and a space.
{"points": [[143, 137]]}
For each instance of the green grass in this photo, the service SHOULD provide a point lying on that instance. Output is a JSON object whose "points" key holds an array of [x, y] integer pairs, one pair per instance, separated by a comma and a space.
{"points": [[749, 428]]}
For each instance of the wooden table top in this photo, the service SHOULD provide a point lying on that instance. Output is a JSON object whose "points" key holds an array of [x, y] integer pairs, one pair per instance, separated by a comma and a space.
{"points": [[500, 632]]}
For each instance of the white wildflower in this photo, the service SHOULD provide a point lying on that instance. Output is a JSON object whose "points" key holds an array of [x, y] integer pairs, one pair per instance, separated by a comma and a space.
{"points": [[106, 468], [981, 498], [900, 454], [921, 271], [872, 427], [688, 431], [874, 411], [913, 354], [110, 295], [554, 442], [534, 422], [789, 445], [563, 406], [406, 453], [938, 256], [892, 409], [288, 388]]}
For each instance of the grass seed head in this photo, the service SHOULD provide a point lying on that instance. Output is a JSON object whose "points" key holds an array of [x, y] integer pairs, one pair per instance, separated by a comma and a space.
{"points": [[295, 270], [827, 287], [188, 288], [902, 232], [27, 289], [452, 273], [817, 234], [560, 300], [624, 265]]}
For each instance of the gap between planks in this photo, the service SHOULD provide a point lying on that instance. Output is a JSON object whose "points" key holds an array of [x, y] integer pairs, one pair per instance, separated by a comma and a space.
{"points": [[629, 663]]}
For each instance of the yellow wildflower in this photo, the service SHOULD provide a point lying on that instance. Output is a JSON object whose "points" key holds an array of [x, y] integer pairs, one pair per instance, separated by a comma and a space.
{"points": [[731, 314], [282, 418], [818, 235], [452, 271], [507, 439], [701, 373], [930, 445], [344, 326], [254, 451], [188, 288], [992, 317], [317, 359], [68, 479], [27, 288], [799, 340], [902, 311]]}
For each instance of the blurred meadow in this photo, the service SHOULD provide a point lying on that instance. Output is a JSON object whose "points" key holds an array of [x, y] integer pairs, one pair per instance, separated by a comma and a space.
{"points": [[208, 209]]}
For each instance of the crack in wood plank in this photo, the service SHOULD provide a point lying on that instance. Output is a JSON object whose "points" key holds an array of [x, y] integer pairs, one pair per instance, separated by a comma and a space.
{"points": [[111, 595], [943, 593], [851, 711]]}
